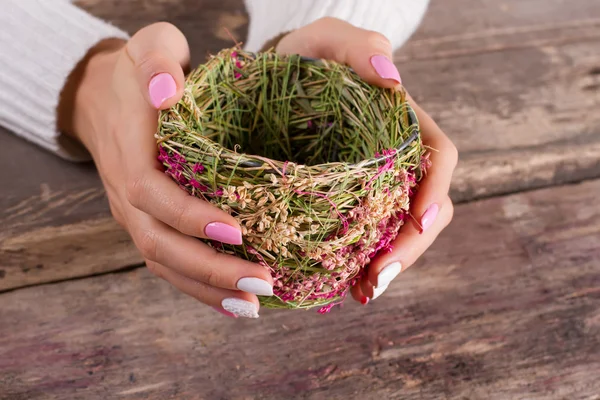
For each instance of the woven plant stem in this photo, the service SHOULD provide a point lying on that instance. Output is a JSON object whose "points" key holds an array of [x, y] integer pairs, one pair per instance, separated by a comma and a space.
{"points": [[317, 166]]}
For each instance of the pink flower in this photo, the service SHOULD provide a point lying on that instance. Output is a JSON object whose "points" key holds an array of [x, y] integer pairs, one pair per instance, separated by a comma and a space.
{"points": [[326, 309], [174, 165], [179, 177], [163, 156], [179, 158], [198, 168]]}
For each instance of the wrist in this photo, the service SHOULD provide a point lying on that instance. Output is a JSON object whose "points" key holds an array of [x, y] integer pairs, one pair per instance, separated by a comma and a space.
{"points": [[86, 86]]}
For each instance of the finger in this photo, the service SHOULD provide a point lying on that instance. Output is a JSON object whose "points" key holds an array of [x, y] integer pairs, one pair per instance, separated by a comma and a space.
{"points": [[369, 53], [434, 188], [196, 260], [159, 53], [408, 246], [358, 295], [237, 304], [159, 196]]}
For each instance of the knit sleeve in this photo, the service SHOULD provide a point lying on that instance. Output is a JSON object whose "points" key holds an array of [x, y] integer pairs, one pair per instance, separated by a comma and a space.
{"points": [[396, 19], [41, 41]]}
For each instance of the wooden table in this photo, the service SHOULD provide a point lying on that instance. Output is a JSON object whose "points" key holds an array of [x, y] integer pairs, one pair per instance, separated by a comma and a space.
{"points": [[505, 305]]}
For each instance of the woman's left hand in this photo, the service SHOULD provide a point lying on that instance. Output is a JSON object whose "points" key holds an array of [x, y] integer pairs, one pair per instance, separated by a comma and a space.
{"points": [[369, 54]]}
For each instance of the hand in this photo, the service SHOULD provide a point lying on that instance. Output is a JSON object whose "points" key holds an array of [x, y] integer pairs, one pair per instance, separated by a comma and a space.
{"points": [[116, 117], [369, 54]]}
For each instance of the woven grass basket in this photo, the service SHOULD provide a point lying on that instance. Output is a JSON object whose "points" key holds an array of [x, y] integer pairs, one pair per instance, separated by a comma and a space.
{"points": [[316, 165]]}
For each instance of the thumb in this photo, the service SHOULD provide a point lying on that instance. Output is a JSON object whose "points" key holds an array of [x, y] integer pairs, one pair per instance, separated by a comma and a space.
{"points": [[369, 53], [159, 53]]}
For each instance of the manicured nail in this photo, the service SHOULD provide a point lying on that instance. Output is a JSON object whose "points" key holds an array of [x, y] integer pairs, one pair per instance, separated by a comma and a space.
{"points": [[227, 313], [385, 68], [255, 286], [162, 87], [240, 308], [388, 274], [364, 300], [378, 291], [223, 233], [429, 217]]}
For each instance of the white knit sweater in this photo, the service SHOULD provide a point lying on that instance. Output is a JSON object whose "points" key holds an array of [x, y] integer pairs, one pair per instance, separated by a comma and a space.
{"points": [[41, 41]]}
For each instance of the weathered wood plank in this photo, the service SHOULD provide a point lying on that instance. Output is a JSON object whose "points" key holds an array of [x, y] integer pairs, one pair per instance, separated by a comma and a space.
{"points": [[55, 220], [504, 306], [514, 83], [45, 254]]}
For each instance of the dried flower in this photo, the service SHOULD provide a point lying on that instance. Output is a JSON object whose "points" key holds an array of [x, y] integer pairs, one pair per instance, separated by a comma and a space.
{"points": [[318, 187]]}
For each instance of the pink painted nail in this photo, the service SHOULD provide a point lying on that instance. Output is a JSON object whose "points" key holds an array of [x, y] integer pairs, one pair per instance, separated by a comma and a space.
{"points": [[429, 217], [224, 312], [223, 233], [385, 68], [162, 87]]}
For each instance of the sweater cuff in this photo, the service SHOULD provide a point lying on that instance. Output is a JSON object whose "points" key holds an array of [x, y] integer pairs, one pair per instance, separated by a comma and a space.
{"points": [[41, 44]]}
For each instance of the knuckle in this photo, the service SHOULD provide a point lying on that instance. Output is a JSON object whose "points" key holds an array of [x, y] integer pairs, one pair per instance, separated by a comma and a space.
{"points": [[378, 40], [147, 242], [210, 274], [150, 62], [136, 190], [182, 214]]}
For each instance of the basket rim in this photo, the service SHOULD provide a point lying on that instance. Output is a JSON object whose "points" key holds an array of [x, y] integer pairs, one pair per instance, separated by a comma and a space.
{"points": [[249, 160]]}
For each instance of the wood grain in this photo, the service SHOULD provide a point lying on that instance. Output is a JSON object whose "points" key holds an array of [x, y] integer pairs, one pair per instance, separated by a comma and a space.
{"points": [[515, 84], [45, 254], [55, 220], [505, 305]]}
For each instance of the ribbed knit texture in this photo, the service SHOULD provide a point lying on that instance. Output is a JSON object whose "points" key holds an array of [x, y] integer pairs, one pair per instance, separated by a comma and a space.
{"points": [[41, 41], [396, 19]]}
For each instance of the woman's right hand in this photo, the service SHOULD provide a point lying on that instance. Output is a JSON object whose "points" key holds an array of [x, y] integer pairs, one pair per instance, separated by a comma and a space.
{"points": [[115, 117]]}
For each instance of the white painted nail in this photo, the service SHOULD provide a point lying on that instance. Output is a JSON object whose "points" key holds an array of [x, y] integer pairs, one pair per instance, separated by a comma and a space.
{"points": [[388, 274], [378, 291], [239, 307], [255, 286]]}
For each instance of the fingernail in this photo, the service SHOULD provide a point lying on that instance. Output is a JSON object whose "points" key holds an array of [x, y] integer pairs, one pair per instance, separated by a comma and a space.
{"points": [[161, 88], [364, 300], [239, 307], [378, 291], [223, 233], [227, 313], [388, 274], [429, 217], [385, 68], [255, 286]]}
